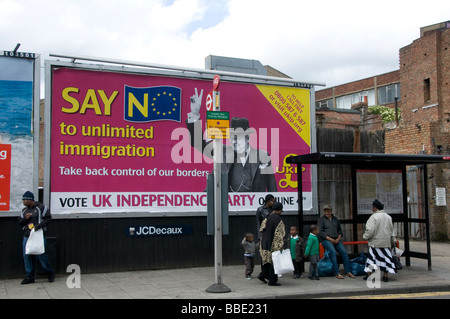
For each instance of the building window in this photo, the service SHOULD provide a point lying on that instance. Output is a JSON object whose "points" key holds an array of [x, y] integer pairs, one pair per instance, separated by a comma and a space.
{"points": [[369, 95], [346, 101], [426, 90], [388, 93], [325, 104]]}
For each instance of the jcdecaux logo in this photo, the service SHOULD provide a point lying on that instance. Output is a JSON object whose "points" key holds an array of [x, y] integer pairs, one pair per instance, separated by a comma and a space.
{"points": [[159, 230]]}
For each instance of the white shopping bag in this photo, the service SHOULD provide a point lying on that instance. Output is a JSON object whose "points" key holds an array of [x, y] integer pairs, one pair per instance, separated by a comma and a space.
{"points": [[398, 252], [35, 243], [282, 261]]}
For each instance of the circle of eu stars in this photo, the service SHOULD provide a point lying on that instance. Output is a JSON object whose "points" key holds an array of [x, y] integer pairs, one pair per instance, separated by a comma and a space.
{"points": [[164, 94]]}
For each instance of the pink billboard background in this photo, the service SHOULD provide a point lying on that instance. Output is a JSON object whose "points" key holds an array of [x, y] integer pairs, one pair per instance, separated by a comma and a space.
{"points": [[84, 100]]}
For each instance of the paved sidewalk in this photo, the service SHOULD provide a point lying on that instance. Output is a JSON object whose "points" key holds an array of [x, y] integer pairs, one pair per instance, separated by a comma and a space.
{"points": [[191, 283]]}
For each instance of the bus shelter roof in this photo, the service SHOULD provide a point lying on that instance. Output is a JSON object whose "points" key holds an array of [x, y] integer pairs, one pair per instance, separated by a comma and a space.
{"points": [[366, 158]]}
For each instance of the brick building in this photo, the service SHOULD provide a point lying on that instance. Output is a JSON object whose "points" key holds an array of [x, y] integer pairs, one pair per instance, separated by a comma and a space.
{"points": [[424, 78], [425, 127], [421, 88], [349, 102]]}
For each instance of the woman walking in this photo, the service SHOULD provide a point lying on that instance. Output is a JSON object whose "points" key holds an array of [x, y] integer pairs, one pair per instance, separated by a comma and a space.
{"points": [[380, 236], [273, 232]]}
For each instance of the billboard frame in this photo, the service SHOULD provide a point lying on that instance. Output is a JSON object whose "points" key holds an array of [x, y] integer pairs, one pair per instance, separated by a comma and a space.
{"points": [[35, 118], [129, 67]]}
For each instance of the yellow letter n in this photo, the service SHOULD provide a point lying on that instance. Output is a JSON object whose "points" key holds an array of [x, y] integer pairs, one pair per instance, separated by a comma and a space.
{"points": [[133, 101]]}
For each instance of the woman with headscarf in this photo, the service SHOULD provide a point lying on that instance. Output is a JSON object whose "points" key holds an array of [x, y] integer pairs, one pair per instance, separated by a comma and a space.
{"points": [[273, 232], [380, 236]]}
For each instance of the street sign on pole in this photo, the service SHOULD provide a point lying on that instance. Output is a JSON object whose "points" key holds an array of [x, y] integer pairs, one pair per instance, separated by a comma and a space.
{"points": [[218, 124], [209, 102], [216, 100], [218, 286], [216, 83]]}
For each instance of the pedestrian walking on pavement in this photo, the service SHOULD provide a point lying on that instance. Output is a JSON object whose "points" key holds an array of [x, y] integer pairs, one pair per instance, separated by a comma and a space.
{"points": [[249, 254], [379, 234], [273, 232], [263, 212], [35, 216]]}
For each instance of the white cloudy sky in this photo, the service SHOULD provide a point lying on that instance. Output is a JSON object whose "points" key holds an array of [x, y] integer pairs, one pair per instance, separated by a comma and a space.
{"points": [[326, 41]]}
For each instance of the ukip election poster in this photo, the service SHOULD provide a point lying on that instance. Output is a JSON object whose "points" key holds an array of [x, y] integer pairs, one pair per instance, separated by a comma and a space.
{"points": [[131, 142]]}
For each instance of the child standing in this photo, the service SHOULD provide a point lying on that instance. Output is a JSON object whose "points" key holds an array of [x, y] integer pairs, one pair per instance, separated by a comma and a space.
{"points": [[249, 254], [296, 246], [312, 251]]}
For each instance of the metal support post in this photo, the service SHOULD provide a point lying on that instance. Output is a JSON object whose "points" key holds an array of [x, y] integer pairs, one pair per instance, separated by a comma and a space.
{"points": [[218, 286]]}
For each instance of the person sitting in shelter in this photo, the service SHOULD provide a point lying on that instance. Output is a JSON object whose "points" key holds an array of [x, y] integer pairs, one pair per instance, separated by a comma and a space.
{"points": [[330, 235]]}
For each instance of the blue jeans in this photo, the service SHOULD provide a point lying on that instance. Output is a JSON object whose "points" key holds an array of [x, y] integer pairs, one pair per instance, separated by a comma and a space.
{"points": [[30, 261], [340, 248]]}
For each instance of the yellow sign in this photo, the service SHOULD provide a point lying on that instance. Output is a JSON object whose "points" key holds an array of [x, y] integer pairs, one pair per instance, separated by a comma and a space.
{"points": [[218, 124], [293, 104]]}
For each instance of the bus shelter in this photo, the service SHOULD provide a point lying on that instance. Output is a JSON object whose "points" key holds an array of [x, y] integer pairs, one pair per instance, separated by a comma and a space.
{"points": [[381, 176]]}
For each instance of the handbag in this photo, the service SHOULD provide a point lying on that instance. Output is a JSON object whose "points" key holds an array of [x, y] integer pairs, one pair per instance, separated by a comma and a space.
{"points": [[35, 243], [282, 261], [396, 253]]}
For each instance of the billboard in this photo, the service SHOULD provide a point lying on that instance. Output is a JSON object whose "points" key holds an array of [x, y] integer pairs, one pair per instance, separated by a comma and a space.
{"points": [[18, 171], [137, 142]]}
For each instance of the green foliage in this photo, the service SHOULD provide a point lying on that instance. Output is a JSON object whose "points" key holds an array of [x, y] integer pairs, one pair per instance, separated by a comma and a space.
{"points": [[387, 113]]}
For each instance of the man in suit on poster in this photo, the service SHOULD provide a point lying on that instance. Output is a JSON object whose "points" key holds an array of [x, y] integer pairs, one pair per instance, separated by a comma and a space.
{"points": [[248, 169]]}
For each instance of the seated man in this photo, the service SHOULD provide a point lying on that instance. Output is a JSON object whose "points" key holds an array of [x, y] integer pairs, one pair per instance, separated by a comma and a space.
{"points": [[330, 235]]}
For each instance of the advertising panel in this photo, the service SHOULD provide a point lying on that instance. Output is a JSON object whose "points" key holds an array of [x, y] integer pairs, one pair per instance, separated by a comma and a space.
{"points": [[16, 127], [5, 176], [130, 142], [385, 185]]}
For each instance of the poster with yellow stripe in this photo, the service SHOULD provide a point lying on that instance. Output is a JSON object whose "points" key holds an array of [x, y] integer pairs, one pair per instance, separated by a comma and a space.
{"points": [[293, 106], [124, 142]]}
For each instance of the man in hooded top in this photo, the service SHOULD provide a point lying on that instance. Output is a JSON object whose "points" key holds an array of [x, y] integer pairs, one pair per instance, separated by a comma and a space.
{"points": [[35, 215]]}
